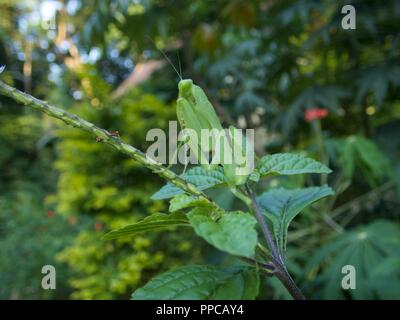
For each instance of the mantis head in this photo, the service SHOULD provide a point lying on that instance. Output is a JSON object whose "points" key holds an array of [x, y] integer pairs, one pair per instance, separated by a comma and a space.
{"points": [[185, 87]]}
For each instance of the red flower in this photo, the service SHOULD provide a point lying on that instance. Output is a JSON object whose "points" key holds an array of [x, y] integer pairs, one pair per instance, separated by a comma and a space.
{"points": [[98, 226], [315, 113], [50, 214]]}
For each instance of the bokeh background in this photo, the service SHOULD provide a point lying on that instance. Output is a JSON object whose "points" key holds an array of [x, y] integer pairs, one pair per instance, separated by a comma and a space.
{"points": [[285, 68]]}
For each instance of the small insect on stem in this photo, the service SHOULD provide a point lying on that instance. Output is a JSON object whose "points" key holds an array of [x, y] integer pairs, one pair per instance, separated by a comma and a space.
{"points": [[110, 134], [113, 133]]}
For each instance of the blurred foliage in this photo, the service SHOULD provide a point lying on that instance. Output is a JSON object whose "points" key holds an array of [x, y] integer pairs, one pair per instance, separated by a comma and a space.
{"points": [[31, 232], [374, 251], [30, 237], [263, 64]]}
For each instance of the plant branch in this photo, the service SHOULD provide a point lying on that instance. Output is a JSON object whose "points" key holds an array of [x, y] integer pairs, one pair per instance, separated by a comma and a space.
{"points": [[280, 270], [264, 227], [102, 136], [266, 268]]}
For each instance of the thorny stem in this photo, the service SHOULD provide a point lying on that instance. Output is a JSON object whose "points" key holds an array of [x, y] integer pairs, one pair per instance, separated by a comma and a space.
{"points": [[265, 268], [102, 136], [278, 264]]}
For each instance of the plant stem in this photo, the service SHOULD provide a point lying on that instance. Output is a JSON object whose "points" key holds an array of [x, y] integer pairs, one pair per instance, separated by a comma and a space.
{"points": [[264, 227], [316, 125], [284, 276], [276, 259], [102, 136], [238, 194]]}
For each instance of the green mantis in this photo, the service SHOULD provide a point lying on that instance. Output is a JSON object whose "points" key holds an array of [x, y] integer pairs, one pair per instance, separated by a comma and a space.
{"points": [[195, 114], [205, 135]]}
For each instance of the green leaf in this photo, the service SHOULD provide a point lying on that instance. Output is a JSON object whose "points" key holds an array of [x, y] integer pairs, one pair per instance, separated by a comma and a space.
{"points": [[156, 221], [373, 250], [182, 201], [281, 205], [385, 279], [389, 266], [202, 283], [287, 164], [202, 178], [363, 154], [373, 158], [233, 232]]}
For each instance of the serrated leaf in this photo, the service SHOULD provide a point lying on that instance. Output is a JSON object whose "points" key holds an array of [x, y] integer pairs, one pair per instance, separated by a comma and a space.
{"points": [[156, 221], [233, 232], [202, 178], [202, 283], [288, 164], [281, 205], [183, 201]]}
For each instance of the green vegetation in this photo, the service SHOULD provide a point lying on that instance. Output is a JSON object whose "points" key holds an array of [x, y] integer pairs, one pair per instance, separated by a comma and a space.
{"points": [[325, 192]]}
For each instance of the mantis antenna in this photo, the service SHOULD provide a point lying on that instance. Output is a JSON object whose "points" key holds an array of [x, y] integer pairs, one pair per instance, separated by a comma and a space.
{"points": [[168, 59], [179, 64]]}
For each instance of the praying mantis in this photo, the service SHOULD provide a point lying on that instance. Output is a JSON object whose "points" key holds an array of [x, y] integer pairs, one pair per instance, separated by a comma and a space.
{"points": [[196, 113]]}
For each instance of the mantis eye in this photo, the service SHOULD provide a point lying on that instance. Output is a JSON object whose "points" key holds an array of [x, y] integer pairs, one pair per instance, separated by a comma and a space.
{"points": [[185, 87]]}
